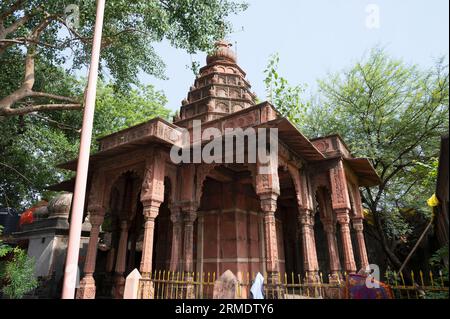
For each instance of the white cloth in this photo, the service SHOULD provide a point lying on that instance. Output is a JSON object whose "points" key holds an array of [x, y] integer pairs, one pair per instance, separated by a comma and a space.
{"points": [[257, 287]]}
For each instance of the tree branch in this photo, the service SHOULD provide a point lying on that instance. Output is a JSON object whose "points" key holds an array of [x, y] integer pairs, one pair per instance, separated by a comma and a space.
{"points": [[39, 108], [54, 96]]}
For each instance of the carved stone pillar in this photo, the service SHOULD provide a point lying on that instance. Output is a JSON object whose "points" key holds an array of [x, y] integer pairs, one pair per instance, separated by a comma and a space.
{"points": [[177, 224], [189, 216], [343, 219], [119, 280], [151, 210], [359, 228], [310, 263], [329, 227], [87, 284], [269, 206]]}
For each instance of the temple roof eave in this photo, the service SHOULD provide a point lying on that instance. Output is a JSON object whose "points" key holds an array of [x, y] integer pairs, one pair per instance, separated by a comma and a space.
{"points": [[367, 175], [156, 131], [295, 140]]}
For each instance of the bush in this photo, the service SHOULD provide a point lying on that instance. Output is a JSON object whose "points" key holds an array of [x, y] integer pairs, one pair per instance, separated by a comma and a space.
{"points": [[16, 272]]}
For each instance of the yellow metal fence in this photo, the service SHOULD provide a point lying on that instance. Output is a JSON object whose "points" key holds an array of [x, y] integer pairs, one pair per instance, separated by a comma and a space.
{"points": [[180, 285]]}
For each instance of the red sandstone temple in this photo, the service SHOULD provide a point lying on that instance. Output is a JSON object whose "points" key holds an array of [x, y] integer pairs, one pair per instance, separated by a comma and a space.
{"points": [[149, 213]]}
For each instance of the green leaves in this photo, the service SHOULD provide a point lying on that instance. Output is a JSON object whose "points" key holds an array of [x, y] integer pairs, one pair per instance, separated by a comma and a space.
{"points": [[18, 273], [116, 111], [4, 249], [286, 98]]}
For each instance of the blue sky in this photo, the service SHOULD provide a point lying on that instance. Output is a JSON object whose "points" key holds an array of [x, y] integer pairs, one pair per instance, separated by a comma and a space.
{"points": [[314, 37]]}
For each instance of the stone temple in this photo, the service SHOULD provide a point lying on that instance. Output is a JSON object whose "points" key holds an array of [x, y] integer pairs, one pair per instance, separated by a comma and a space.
{"points": [[302, 215]]}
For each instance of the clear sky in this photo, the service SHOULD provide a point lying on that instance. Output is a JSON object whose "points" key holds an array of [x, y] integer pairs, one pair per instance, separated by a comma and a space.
{"points": [[314, 37]]}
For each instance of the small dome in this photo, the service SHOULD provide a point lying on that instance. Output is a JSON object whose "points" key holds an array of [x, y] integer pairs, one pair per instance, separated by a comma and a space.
{"points": [[223, 52], [60, 205]]}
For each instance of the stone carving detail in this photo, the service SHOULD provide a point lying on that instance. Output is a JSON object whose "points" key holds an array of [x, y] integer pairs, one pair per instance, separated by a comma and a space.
{"points": [[337, 186], [340, 196], [222, 107], [153, 183], [322, 146], [87, 288], [202, 172], [148, 179], [153, 127], [95, 199], [222, 93]]}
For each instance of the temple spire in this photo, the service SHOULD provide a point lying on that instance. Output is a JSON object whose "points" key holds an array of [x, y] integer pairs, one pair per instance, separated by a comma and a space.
{"points": [[220, 89]]}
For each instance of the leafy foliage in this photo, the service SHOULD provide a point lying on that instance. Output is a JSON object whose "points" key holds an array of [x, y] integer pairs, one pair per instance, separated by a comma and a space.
{"points": [[17, 273], [437, 263], [287, 98], [117, 110], [4, 249]]}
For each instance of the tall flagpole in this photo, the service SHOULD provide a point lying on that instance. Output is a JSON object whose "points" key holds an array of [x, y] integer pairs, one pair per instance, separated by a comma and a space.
{"points": [[76, 221]]}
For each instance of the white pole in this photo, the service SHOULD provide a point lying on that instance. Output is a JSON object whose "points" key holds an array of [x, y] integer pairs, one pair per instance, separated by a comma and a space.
{"points": [[73, 249]]}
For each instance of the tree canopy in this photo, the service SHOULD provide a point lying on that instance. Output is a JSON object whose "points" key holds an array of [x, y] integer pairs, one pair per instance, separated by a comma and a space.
{"points": [[42, 36]]}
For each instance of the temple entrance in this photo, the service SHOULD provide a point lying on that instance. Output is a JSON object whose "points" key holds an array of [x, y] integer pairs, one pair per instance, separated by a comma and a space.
{"points": [[289, 239], [121, 241], [162, 243]]}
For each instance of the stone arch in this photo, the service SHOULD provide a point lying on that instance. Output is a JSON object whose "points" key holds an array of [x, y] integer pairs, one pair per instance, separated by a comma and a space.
{"points": [[162, 244], [116, 175], [202, 173], [287, 213]]}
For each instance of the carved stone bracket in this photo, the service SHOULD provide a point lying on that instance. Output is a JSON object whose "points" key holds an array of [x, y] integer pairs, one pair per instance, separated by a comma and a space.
{"points": [[153, 182], [339, 191], [269, 202]]}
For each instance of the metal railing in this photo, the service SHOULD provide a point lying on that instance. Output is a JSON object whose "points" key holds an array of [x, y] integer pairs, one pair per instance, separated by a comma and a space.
{"points": [[423, 286], [180, 285]]}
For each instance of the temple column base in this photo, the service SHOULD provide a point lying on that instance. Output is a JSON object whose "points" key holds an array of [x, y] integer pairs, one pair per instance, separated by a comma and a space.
{"points": [[87, 288], [312, 284], [147, 288], [274, 289]]}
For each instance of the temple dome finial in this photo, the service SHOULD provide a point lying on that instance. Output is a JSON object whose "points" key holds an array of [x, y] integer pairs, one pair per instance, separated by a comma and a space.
{"points": [[222, 52]]}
